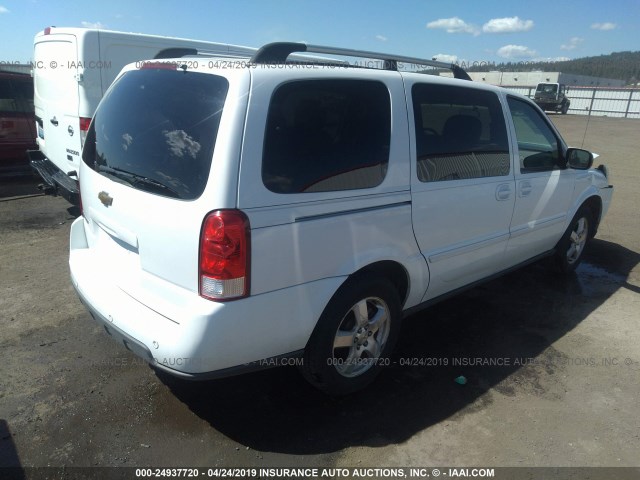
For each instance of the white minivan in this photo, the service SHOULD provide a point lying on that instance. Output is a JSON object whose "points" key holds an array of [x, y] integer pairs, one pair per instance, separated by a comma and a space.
{"points": [[72, 69], [238, 214]]}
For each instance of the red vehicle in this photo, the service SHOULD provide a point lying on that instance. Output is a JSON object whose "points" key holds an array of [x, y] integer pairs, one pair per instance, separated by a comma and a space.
{"points": [[17, 122]]}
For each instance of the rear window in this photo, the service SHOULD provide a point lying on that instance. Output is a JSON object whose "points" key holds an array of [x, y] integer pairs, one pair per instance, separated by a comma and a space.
{"points": [[156, 130], [16, 94], [547, 88]]}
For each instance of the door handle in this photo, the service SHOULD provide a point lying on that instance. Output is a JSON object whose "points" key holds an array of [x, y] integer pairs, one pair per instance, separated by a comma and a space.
{"points": [[525, 188], [54, 121], [503, 192]]}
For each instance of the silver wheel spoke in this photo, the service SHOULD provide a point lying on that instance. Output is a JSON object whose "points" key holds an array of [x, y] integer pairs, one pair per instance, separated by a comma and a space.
{"points": [[373, 348], [364, 330], [343, 339], [379, 319], [361, 312], [351, 363], [578, 239], [354, 354]]}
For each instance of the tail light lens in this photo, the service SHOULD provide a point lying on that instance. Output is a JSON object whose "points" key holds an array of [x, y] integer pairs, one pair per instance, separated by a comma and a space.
{"points": [[84, 128], [224, 255]]}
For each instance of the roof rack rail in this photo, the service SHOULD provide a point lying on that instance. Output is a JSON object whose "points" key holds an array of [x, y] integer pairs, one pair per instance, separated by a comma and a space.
{"points": [[278, 52], [242, 52]]}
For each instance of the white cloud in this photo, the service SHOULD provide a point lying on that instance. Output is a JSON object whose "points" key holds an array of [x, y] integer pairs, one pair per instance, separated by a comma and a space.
{"points": [[604, 26], [454, 25], [550, 59], [3, 9], [181, 143], [443, 57], [516, 51], [92, 24], [382, 38], [574, 42], [507, 25]]}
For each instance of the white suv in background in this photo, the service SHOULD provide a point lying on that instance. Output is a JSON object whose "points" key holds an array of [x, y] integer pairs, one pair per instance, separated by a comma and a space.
{"points": [[236, 213]]}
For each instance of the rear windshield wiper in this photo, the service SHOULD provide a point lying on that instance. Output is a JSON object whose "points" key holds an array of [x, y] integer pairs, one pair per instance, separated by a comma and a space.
{"points": [[116, 173], [135, 180], [150, 184]]}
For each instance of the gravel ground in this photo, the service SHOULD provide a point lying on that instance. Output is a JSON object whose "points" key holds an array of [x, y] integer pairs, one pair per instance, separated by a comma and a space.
{"points": [[566, 393]]}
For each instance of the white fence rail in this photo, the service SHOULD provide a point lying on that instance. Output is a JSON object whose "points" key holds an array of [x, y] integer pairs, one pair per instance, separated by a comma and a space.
{"points": [[603, 101]]}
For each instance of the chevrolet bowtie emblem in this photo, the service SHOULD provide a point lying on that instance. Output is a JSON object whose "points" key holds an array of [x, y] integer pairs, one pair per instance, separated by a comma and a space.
{"points": [[105, 198]]}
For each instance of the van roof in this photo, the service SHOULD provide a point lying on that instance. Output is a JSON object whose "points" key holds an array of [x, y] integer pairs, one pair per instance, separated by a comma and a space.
{"points": [[80, 31]]}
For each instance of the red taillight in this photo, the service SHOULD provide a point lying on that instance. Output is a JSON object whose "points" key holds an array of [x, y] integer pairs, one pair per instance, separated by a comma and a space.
{"points": [[84, 128], [224, 255]]}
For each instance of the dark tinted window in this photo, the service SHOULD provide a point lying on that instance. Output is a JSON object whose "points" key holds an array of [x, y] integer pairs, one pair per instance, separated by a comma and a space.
{"points": [[7, 97], [460, 133], [156, 130], [23, 89], [326, 135], [538, 146], [16, 94]]}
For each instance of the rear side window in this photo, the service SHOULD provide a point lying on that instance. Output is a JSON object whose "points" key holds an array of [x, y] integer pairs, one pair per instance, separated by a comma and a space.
{"points": [[156, 130], [327, 135], [460, 133]]}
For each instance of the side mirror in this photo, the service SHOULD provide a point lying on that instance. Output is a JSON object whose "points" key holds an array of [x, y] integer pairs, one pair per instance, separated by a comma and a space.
{"points": [[579, 159]]}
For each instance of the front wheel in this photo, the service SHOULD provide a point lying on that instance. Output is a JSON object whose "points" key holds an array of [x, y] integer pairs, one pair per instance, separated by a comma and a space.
{"points": [[354, 336], [571, 247], [565, 108]]}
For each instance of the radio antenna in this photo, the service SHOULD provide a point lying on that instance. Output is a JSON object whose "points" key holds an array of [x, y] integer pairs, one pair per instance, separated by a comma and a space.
{"points": [[585, 129]]}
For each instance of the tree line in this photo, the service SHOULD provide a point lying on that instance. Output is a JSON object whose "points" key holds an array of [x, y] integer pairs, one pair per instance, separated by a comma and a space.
{"points": [[618, 65]]}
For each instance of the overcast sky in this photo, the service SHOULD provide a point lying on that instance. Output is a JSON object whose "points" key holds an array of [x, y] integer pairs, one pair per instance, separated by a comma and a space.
{"points": [[464, 30]]}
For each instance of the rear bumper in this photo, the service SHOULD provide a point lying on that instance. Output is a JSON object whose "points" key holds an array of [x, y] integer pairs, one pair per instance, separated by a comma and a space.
{"points": [[177, 331], [56, 181], [141, 350]]}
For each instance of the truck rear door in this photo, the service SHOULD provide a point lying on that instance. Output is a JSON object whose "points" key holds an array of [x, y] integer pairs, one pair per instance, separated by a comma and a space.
{"points": [[56, 99]]}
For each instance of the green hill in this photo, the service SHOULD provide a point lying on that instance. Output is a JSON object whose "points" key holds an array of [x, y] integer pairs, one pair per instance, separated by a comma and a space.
{"points": [[618, 65]]}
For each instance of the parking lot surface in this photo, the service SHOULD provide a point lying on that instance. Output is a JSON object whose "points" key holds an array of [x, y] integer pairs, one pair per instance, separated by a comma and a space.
{"points": [[551, 364]]}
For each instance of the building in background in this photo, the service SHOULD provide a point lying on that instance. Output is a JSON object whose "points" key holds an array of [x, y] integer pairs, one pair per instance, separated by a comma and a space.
{"points": [[16, 68], [529, 79]]}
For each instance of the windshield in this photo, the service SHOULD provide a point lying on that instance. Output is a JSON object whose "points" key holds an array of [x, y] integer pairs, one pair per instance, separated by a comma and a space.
{"points": [[156, 130]]}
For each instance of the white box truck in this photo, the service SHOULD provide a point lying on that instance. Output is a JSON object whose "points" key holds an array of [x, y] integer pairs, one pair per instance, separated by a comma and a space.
{"points": [[72, 70]]}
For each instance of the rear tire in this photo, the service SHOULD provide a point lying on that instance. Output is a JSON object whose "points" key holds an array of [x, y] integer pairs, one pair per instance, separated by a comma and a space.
{"points": [[354, 336], [571, 247]]}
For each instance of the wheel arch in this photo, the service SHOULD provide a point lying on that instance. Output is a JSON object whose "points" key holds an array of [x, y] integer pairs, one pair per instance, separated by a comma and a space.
{"points": [[592, 200], [393, 271], [594, 204]]}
